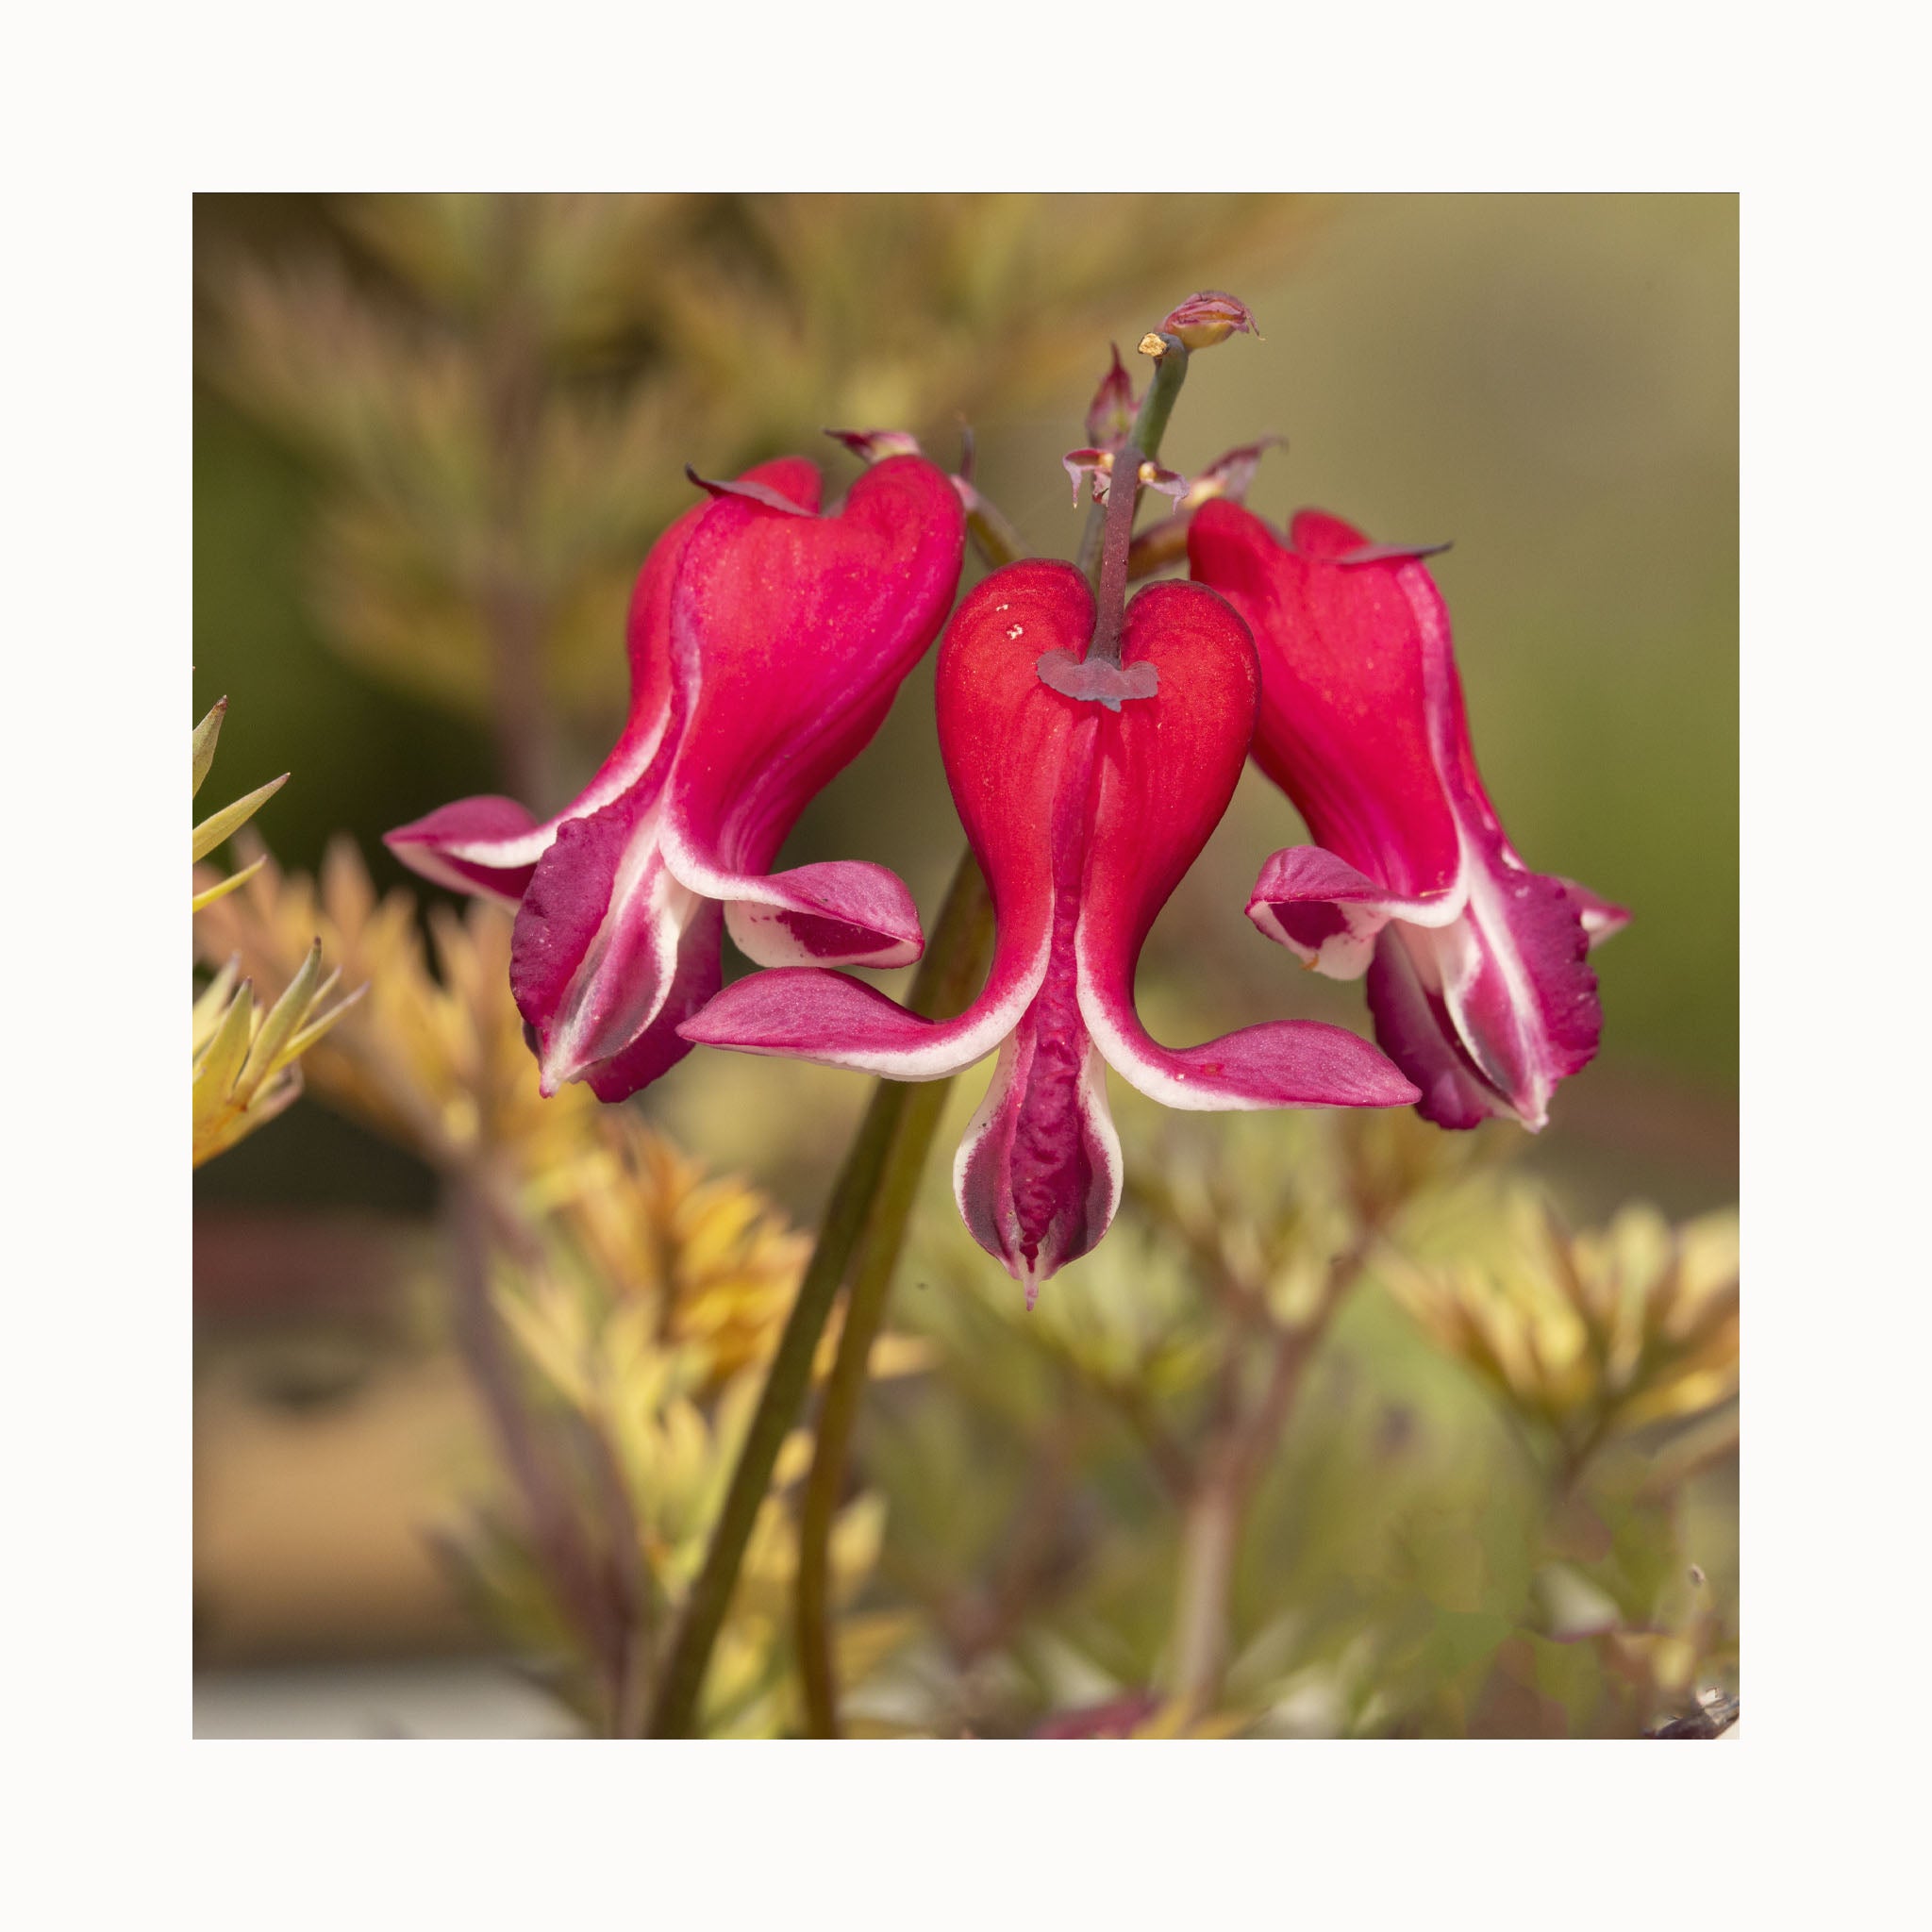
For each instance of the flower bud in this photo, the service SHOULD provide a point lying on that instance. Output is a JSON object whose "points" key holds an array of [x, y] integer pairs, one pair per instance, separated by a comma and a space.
{"points": [[1110, 414], [1207, 317], [875, 445]]}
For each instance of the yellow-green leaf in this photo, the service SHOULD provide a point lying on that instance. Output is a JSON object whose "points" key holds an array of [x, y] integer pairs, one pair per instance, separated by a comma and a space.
{"points": [[231, 817], [227, 885], [284, 1017], [204, 735], [214, 1078]]}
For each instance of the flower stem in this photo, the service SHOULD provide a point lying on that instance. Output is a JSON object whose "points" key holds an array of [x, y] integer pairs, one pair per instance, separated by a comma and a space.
{"points": [[1150, 426], [958, 957], [1122, 496], [888, 1138]]}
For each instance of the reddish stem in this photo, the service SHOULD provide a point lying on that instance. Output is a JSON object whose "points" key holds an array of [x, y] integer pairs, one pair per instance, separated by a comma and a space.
{"points": [[1122, 494]]}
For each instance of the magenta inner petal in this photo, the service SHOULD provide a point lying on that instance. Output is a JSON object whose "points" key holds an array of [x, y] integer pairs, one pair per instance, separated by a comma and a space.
{"points": [[1416, 1032], [1311, 926], [660, 1047]]}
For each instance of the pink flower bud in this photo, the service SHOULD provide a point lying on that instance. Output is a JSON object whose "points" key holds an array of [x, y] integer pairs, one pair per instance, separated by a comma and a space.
{"points": [[1209, 317]]}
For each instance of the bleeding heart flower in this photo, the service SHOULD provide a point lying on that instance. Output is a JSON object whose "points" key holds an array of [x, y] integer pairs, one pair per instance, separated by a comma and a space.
{"points": [[766, 644], [1088, 782], [1476, 972]]}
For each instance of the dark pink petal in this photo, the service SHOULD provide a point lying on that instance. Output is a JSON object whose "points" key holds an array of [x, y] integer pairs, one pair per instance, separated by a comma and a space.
{"points": [[1601, 920], [1038, 1175], [489, 845], [794, 634], [1415, 1028], [594, 952], [1479, 986], [1327, 914], [807, 1013], [1516, 982], [1283, 1063], [471, 847], [1165, 773], [839, 913], [660, 1047], [1350, 680]]}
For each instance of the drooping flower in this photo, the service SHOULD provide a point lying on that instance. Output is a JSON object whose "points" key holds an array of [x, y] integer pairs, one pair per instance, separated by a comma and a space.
{"points": [[1476, 971], [766, 644], [1086, 784]]}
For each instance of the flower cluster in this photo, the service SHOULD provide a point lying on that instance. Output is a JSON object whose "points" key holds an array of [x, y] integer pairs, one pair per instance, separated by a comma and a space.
{"points": [[1092, 744]]}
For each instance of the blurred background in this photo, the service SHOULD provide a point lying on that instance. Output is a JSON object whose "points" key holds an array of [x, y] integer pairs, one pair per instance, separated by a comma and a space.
{"points": [[435, 437]]}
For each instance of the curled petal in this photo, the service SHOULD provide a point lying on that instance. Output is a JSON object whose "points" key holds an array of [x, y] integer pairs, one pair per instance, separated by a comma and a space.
{"points": [[749, 489], [835, 913], [488, 845], [1168, 482], [1327, 914], [807, 1013], [1096, 463], [1284, 1063]]}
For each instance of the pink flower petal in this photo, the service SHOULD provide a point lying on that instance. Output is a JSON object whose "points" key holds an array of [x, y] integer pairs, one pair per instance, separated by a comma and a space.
{"points": [[1327, 914], [1479, 986], [1038, 1175], [595, 947], [1347, 688], [661, 1046], [796, 634], [810, 1014]]}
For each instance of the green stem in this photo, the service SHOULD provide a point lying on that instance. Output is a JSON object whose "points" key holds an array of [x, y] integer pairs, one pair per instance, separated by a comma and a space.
{"points": [[958, 958], [854, 1195], [1150, 426]]}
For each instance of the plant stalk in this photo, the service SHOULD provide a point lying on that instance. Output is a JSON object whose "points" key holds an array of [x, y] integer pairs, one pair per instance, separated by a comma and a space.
{"points": [[964, 924], [958, 958], [1150, 426]]}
